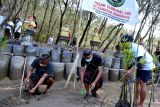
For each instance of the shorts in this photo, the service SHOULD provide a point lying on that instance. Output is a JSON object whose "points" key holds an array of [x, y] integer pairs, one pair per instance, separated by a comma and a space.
{"points": [[90, 77], [144, 75]]}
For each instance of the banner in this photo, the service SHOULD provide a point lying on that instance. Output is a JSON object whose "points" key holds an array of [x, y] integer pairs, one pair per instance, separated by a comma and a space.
{"points": [[123, 11]]}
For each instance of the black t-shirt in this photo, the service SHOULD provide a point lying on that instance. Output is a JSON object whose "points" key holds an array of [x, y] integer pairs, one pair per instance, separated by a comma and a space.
{"points": [[94, 64], [41, 70]]}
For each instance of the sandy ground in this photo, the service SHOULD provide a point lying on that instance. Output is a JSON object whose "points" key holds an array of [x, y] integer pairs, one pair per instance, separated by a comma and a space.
{"points": [[60, 97]]}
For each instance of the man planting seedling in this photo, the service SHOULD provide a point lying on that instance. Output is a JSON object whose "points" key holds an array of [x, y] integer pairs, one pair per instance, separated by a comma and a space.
{"points": [[142, 63], [42, 75], [91, 73]]}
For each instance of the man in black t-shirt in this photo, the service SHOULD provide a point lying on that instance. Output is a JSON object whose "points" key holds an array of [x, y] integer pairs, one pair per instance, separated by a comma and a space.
{"points": [[91, 73], [42, 74]]}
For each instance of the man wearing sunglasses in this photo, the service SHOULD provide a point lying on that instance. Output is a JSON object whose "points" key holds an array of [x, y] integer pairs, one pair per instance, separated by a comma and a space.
{"points": [[38, 74], [91, 73]]}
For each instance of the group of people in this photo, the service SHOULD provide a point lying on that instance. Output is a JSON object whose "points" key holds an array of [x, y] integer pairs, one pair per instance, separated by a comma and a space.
{"points": [[13, 29], [91, 72]]}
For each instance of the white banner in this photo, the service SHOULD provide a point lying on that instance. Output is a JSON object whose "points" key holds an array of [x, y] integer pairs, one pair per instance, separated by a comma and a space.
{"points": [[123, 11]]}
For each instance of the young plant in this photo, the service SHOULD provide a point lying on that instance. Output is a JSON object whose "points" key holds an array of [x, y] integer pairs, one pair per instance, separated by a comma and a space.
{"points": [[128, 55], [156, 62], [3, 43]]}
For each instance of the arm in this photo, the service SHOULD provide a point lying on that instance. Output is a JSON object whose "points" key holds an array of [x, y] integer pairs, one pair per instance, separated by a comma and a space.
{"points": [[29, 72], [40, 81], [33, 66], [82, 71]]}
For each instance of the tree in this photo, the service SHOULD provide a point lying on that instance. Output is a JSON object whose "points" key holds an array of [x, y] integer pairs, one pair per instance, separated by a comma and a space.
{"points": [[50, 20], [10, 14], [62, 12], [86, 28], [44, 17]]}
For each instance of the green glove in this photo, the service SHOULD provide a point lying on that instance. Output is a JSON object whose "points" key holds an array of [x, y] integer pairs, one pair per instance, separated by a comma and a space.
{"points": [[82, 91]]}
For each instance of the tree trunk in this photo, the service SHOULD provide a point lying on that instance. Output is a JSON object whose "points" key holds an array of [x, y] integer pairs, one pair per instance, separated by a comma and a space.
{"points": [[25, 15], [70, 11], [86, 38], [34, 7], [50, 20], [86, 28], [44, 17], [109, 35], [61, 18], [148, 10], [0, 4], [75, 18], [143, 7], [153, 22], [118, 30], [10, 14], [102, 26], [19, 10], [53, 25]]}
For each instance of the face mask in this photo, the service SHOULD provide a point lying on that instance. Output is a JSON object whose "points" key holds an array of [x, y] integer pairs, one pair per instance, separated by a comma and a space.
{"points": [[42, 64], [89, 60]]}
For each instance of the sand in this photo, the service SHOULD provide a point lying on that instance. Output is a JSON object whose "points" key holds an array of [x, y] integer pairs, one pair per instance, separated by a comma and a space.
{"points": [[63, 97]]}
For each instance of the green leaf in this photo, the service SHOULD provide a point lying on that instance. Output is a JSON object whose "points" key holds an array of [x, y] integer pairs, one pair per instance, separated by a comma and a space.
{"points": [[3, 43]]}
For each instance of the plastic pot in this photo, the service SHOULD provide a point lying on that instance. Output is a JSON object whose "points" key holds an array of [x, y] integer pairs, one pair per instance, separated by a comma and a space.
{"points": [[68, 68], [113, 75], [29, 61], [31, 51], [56, 55], [4, 65], [16, 67], [105, 73], [58, 70], [116, 63], [108, 62], [18, 50]]}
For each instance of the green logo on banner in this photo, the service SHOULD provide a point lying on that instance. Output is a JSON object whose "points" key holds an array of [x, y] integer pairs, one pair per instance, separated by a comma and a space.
{"points": [[116, 3]]}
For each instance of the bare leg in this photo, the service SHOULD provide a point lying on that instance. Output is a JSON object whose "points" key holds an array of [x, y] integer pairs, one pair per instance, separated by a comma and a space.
{"points": [[138, 91], [143, 93], [87, 88], [49, 83]]}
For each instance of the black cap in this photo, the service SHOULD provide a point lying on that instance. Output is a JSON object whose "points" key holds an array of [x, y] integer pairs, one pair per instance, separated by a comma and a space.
{"points": [[45, 57], [87, 52], [126, 38]]}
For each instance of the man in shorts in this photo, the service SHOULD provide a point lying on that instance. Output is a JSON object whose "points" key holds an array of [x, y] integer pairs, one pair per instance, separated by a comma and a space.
{"points": [[143, 70]]}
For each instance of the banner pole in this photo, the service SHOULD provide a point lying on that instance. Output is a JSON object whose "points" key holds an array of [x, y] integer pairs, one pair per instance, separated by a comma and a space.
{"points": [[77, 46]]}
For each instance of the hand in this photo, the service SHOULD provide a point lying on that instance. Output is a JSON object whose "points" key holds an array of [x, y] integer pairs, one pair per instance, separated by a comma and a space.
{"points": [[26, 80], [93, 85], [82, 86], [32, 90]]}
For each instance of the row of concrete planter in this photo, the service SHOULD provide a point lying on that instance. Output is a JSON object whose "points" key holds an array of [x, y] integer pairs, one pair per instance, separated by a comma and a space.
{"points": [[113, 75], [57, 54], [13, 67], [60, 55]]}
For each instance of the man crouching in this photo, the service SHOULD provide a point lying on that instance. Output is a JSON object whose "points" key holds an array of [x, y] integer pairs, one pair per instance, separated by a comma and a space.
{"points": [[38, 74], [91, 73]]}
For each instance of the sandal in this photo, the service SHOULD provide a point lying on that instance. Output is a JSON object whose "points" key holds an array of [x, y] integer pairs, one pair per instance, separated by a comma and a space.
{"points": [[87, 96], [95, 95]]}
